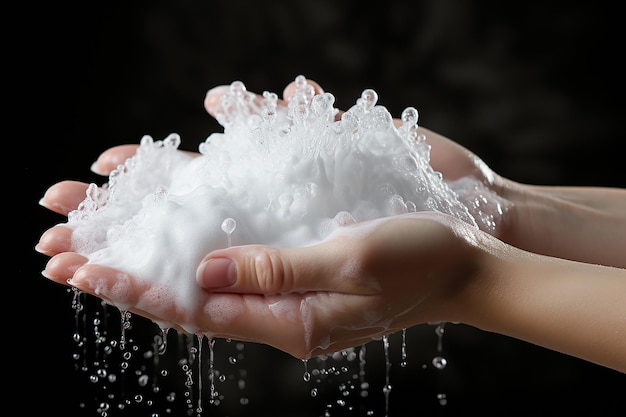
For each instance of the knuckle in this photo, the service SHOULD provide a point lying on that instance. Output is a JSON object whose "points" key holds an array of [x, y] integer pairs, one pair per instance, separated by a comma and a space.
{"points": [[270, 272]]}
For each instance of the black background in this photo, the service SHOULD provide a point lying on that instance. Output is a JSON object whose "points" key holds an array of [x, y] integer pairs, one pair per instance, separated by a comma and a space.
{"points": [[535, 89]]}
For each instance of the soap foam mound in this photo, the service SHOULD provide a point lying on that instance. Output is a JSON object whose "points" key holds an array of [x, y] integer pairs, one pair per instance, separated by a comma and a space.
{"points": [[277, 175]]}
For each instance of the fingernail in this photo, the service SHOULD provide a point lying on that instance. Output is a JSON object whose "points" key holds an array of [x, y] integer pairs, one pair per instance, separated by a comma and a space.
{"points": [[217, 273], [218, 90], [95, 170], [213, 97]]}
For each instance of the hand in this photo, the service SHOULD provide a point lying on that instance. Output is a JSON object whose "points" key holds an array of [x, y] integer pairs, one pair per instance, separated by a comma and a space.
{"points": [[381, 276], [372, 279]]}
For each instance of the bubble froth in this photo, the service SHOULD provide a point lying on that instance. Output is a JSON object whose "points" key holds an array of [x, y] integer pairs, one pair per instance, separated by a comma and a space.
{"points": [[290, 176]]}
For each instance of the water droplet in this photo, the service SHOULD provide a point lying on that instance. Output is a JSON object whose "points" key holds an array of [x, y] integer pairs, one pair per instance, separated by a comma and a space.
{"points": [[439, 362], [369, 98], [237, 88], [409, 116], [229, 225], [322, 104], [143, 380]]}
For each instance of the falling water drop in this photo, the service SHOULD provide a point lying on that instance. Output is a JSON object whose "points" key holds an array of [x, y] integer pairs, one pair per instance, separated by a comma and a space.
{"points": [[403, 349], [162, 341], [387, 387], [212, 372], [364, 384], [439, 362], [306, 375], [143, 380], [125, 317]]}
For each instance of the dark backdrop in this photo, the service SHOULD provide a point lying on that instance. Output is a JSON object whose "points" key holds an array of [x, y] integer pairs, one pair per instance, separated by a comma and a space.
{"points": [[535, 89]]}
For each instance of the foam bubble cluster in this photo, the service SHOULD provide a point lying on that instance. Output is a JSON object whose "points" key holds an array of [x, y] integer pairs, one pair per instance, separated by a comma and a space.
{"points": [[277, 175]]}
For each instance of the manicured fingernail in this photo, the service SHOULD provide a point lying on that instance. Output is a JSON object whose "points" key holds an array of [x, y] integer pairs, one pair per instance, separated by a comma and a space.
{"points": [[217, 273], [95, 170]]}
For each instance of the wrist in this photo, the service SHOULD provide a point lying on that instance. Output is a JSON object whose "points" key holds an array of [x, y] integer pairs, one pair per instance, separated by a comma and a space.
{"points": [[575, 223], [567, 306]]}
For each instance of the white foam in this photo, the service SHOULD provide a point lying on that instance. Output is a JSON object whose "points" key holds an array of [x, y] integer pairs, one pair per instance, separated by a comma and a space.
{"points": [[284, 176]]}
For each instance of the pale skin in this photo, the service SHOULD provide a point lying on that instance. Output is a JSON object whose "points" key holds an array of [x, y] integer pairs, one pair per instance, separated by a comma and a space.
{"points": [[553, 273]]}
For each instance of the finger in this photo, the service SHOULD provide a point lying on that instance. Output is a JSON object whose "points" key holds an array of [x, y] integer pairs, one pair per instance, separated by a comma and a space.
{"points": [[55, 240], [112, 158], [291, 89], [64, 196], [213, 100], [453, 160], [128, 293], [299, 324], [120, 288], [258, 270], [61, 267], [302, 325], [272, 320], [317, 89], [332, 265]]}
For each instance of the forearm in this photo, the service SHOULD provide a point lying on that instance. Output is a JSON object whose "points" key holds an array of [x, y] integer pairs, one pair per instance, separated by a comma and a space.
{"points": [[574, 308], [577, 223]]}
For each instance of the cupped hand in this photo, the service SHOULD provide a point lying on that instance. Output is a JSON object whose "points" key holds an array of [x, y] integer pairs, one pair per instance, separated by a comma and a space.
{"points": [[368, 280]]}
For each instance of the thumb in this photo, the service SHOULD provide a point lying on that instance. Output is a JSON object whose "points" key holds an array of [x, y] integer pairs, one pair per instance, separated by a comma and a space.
{"points": [[259, 269]]}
